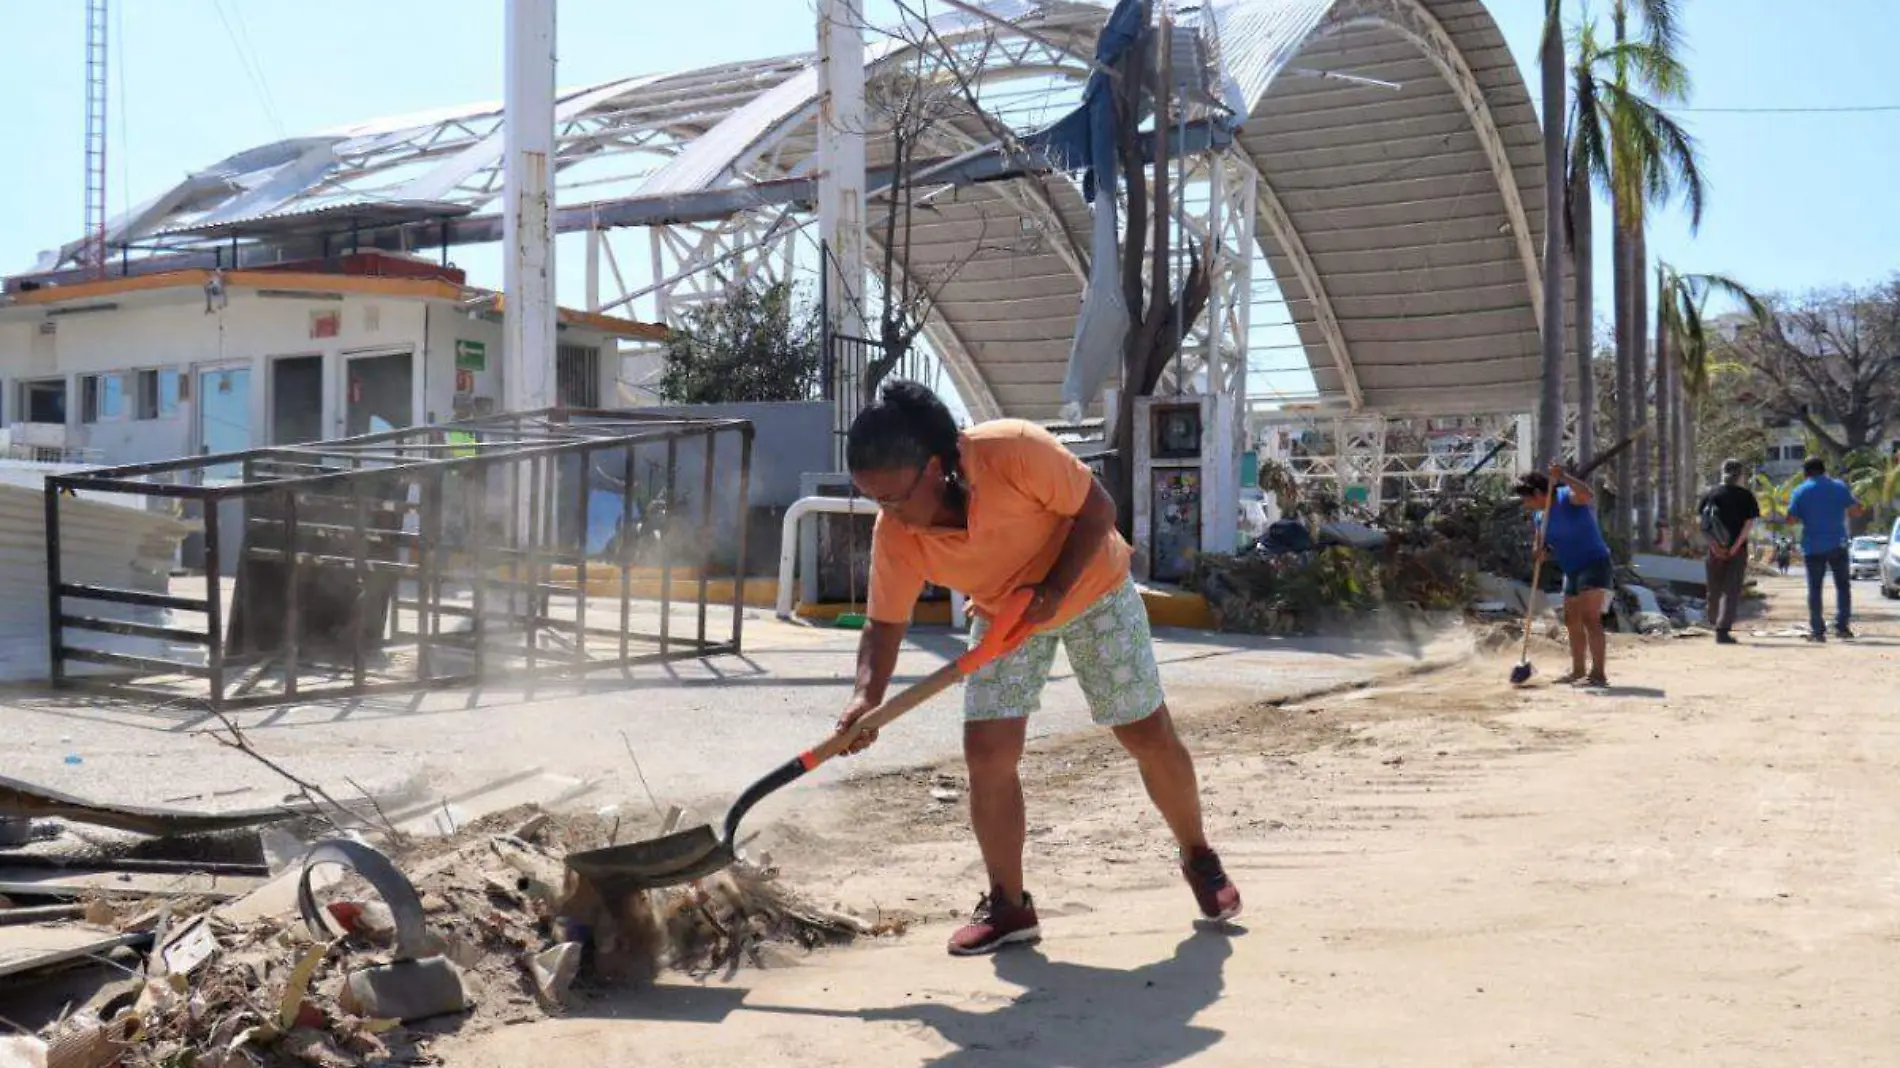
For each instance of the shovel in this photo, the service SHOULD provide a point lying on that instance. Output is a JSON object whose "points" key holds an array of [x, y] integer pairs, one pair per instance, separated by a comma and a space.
{"points": [[698, 852]]}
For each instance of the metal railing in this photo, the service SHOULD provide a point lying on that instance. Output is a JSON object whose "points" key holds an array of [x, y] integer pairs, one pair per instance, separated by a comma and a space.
{"points": [[420, 558]]}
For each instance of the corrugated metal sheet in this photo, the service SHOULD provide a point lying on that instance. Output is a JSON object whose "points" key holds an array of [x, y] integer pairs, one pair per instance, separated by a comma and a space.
{"points": [[110, 542], [1255, 40], [713, 156]]}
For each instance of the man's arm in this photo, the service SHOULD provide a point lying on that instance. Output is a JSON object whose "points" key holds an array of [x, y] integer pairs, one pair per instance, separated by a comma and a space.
{"points": [[1741, 540], [1093, 525]]}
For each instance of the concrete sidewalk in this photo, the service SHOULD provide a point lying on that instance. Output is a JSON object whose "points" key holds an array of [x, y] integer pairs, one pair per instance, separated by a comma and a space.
{"points": [[702, 729]]}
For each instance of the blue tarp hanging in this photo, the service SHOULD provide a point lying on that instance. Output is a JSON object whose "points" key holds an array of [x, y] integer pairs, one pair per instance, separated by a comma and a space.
{"points": [[1084, 140]]}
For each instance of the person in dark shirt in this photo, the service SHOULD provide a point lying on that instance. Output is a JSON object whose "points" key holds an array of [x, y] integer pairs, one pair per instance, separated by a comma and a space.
{"points": [[1728, 515], [1572, 536]]}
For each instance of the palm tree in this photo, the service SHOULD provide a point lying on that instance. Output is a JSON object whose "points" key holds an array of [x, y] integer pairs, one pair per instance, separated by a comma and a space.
{"points": [[1774, 496], [1652, 159], [1550, 400], [1589, 168], [1877, 487], [1684, 367], [1622, 142]]}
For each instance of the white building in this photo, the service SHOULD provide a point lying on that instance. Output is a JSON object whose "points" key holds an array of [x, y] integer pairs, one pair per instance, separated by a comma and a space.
{"points": [[157, 366], [1788, 448]]}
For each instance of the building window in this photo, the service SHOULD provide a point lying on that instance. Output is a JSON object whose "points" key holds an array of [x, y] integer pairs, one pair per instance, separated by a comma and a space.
{"points": [[148, 395], [577, 376], [44, 401], [158, 393], [101, 398]]}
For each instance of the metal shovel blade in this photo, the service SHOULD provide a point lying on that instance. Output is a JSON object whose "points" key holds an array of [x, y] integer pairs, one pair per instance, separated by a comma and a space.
{"points": [[680, 857]]}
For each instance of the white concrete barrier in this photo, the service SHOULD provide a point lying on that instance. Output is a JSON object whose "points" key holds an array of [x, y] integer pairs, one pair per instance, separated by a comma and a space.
{"points": [[788, 547]]}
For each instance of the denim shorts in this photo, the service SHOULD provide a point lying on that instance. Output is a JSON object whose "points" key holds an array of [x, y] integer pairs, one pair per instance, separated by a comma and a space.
{"points": [[1597, 575]]}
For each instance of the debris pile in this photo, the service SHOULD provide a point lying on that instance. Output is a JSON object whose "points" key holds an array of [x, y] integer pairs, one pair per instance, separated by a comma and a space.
{"points": [[1468, 551], [355, 956], [1415, 555]]}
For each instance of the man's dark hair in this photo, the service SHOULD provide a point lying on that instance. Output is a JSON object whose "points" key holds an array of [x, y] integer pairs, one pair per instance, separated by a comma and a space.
{"points": [[1732, 470], [1815, 467], [1535, 484]]}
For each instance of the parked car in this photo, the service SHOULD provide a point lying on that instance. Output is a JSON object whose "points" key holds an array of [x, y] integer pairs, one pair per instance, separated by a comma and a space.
{"points": [[1864, 555], [1890, 564]]}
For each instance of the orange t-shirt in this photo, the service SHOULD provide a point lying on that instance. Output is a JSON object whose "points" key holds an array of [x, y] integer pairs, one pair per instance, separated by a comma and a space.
{"points": [[1025, 490]]}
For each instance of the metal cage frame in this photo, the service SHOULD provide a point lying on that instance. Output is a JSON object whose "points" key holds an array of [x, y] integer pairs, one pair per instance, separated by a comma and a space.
{"points": [[376, 510]]}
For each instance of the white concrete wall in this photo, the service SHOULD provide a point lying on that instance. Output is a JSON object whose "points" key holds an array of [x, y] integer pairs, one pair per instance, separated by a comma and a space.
{"points": [[174, 331], [446, 326]]}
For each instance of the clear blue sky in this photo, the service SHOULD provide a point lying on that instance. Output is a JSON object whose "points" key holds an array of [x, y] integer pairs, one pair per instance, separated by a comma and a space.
{"points": [[1799, 200]]}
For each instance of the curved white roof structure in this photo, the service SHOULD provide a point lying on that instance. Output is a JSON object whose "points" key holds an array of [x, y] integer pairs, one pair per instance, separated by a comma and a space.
{"points": [[1396, 153]]}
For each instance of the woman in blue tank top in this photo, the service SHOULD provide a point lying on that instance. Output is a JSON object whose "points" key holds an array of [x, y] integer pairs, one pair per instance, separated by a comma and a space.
{"points": [[1573, 537]]}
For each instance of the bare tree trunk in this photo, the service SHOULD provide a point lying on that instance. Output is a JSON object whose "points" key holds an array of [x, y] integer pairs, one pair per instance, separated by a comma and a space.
{"points": [[1691, 480], [1550, 403], [1133, 75], [1582, 257], [1666, 374], [1625, 380], [1640, 377]]}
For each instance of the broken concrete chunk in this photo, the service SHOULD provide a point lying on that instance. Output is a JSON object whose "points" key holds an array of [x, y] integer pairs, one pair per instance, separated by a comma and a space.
{"points": [[554, 972], [22, 1051], [406, 990]]}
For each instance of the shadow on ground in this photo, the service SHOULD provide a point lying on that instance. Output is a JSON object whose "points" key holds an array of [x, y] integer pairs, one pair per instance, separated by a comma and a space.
{"points": [[1066, 1013]]}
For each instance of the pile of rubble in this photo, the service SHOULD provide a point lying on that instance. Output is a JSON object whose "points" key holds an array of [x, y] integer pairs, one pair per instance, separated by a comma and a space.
{"points": [[357, 955]]}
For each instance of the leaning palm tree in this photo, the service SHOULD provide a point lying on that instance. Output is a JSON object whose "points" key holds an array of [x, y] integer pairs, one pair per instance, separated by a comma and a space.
{"points": [[1684, 366]]}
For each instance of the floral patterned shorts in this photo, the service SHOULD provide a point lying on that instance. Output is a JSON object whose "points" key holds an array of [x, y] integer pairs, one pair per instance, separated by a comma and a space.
{"points": [[1109, 647]]}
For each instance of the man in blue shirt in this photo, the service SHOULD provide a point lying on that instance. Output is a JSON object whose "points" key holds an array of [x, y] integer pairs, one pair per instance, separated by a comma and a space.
{"points": [[1822, 506], [1571, 534]]}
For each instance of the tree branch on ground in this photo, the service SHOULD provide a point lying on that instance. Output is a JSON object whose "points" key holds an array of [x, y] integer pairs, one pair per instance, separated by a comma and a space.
{"points": [[316, 796]]}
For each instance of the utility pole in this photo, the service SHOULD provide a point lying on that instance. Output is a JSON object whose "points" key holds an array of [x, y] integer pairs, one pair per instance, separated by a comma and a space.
{"points": [[528, 207], [841, 188]]}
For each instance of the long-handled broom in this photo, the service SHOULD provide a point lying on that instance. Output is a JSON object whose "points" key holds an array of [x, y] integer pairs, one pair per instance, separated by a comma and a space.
{"points": [[1522, 673]]}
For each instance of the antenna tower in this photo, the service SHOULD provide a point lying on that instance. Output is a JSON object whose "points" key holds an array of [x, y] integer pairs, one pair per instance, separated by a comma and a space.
{"points": [[95, 256]]}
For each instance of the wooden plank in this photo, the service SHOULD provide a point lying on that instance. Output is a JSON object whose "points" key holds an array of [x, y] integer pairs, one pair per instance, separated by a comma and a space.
{"points": [[19, 798], [74, 883], [42, 945]]}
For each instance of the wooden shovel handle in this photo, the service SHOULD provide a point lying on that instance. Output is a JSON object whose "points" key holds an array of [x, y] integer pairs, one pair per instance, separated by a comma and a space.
{"points": [[1006, 632]]}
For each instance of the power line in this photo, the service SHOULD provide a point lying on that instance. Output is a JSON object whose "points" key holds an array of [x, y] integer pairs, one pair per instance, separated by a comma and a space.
{"points": [[1844, 109], [247, 60]]}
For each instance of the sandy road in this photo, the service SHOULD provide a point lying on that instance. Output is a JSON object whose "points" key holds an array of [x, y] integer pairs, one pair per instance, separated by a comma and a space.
{"points": [[1701, 866]]}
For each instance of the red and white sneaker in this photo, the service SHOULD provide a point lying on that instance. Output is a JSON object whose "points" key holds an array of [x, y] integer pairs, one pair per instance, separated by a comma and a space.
{"points": [[1217, 895], [996, 923]]}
